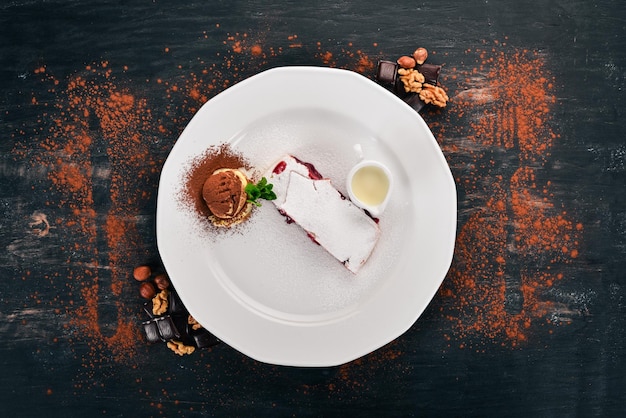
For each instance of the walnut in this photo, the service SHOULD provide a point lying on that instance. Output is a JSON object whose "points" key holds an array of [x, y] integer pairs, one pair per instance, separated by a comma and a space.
{"points": [[411, 79], [434, 94], [160, 302], [195, 325], [180, 348]]}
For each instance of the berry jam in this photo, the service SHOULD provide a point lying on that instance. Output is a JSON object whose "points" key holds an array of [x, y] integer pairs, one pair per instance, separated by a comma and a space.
{"points": [[280, 167], [313, 173], [287, 217], [312, 238]]}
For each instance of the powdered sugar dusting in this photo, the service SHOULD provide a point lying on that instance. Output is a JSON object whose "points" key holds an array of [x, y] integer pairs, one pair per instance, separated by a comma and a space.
{"points": [[280, 179], [335, 223]]}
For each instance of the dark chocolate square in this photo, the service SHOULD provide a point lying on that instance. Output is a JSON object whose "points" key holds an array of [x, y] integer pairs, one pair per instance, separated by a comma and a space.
{"points": [[176, 306], [151, 330], [204, 339], [386, 71], [430, 72], [167, 328], [182, 325], [147, 307], [413, 100]]}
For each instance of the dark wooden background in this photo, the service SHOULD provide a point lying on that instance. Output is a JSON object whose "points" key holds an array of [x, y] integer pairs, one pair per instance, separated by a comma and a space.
{"points": [[531, 320]]}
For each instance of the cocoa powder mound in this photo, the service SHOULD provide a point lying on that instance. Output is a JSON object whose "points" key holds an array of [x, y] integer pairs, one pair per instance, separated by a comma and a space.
{"points": [[201, 168]]}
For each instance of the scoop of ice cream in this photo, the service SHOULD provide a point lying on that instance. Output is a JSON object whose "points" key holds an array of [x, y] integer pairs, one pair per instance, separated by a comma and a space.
{"points": [[224, 192]]}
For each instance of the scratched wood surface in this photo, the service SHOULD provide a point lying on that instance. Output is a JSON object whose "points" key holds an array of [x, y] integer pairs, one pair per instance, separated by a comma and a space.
{"points": [[531, 319]]}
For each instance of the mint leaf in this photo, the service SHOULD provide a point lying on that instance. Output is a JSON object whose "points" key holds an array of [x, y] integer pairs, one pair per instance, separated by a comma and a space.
{"points": [[261, 190]]}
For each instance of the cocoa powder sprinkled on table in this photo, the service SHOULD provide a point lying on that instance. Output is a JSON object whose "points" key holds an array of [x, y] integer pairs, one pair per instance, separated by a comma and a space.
{"points": [[93, 119], [517, 241]]}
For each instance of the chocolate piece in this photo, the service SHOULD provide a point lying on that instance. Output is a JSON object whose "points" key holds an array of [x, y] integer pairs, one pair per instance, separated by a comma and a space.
{"points": [[386, 72], [398, 89], [151, 330], [167, 328], [180, 321], [174, 325], [430, 72], [147, 307], [413, 100], [204, 339], [175, 304], [431, 76]]}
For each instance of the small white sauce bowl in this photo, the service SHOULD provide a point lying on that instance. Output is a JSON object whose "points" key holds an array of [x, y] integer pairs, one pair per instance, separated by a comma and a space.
{"points": [[374, 210]]}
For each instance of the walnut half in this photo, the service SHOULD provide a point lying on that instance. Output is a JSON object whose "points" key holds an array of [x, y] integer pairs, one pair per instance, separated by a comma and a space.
{"points": [[411, 79], [180, 348], [160, 302], [434, 94], [195, 325]]}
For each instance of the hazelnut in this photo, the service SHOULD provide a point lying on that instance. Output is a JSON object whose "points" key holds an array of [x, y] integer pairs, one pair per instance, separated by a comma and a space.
{"points": [[161, 281], [147, 290], [420, 55], [406, 62], [142, 273]]}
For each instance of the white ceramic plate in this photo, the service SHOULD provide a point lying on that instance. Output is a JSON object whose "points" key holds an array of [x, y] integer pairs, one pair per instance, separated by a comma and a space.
{"points": [[266, 289]]}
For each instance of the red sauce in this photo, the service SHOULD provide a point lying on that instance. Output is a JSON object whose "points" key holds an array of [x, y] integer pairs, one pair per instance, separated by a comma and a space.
{"points": [[313, 173], [280, 167]]}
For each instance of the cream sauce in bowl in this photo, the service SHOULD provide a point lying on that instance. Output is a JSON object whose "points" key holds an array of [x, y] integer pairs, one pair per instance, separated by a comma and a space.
{"points": [[369, 186]]}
